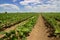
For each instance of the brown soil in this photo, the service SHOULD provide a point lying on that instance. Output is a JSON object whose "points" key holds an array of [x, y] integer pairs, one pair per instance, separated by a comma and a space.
{"points": [[39, 32], [58, 22]]}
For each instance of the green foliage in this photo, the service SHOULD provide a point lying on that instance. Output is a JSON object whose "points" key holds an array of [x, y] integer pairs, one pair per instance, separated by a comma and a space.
{"points": [[53, 20], [11, 18], [22, 31], [25, 29]]}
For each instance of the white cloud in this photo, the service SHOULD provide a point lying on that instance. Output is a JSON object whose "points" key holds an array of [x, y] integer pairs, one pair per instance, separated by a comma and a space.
{"points": [[14, 0], [52, 5], [9, 7], [41, 8], [28, 7], [26, 2]]}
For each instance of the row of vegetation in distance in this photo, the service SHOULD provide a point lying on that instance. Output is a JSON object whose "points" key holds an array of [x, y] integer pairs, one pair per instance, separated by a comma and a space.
{"points": [[21, 32], [54, 21]]}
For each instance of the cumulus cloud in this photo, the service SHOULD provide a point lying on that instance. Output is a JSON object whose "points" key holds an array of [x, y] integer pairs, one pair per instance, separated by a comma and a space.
{"points": [[41, 8], [14, 0], [26, 2], [41, 5], [9, 7]]}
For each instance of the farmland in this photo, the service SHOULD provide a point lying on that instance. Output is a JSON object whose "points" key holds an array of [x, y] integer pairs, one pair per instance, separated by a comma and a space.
{"points": [[54, 21], [8, 20], [29, 26]]}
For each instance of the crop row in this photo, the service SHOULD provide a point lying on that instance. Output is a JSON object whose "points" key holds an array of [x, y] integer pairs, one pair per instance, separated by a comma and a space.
{"points": [[10, 19], [21, 32], [52, 19]]}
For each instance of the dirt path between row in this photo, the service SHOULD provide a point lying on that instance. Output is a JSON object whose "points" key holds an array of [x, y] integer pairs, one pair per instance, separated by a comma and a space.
{"points": [[12, 28], [39, 32]]}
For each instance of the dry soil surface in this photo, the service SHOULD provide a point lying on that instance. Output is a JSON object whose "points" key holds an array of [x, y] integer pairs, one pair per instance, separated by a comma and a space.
{"points": [[39, 32]]}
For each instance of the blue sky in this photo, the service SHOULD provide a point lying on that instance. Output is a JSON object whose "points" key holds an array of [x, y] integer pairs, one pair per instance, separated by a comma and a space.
{"points": [[30, 5]]}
